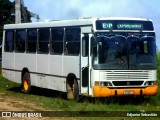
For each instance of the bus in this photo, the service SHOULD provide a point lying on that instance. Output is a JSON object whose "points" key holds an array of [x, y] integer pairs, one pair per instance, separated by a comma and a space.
{"points": [[94, 57]]}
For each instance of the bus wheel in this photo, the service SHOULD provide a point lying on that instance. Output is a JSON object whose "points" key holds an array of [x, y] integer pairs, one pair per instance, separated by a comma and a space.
{"points": [[76, 91], [69, 92], [73, 90], [26, 85]]}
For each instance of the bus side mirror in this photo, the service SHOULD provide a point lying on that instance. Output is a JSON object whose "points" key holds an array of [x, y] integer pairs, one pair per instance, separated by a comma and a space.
{"points": [[94, 46], [93, 42], [95, 51]]}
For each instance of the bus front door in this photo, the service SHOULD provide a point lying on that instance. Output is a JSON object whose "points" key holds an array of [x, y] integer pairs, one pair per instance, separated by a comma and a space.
{"points": [[85, 68]]}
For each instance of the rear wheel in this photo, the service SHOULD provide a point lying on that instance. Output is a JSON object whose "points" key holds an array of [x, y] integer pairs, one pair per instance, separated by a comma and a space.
{"points": [[26, 84], [73, 90]]}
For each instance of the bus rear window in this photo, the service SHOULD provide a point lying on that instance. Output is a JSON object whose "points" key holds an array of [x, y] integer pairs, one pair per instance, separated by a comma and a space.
{"points": [[9, 41]]}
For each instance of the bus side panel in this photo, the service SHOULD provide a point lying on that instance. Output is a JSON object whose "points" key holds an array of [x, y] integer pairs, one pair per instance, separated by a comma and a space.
{"points": [[24, 60], [10, 75], [8, 65], [43, 70], [71, 64], [56, 79]]}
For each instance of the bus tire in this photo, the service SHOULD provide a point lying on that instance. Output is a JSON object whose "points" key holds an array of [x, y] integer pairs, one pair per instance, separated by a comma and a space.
{"points": [[76, 90], [26, 83], [73, 90], [69, 92]]}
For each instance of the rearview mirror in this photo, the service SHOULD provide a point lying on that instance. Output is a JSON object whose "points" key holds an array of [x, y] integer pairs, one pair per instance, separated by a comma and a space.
{"points": [[93, 42]]}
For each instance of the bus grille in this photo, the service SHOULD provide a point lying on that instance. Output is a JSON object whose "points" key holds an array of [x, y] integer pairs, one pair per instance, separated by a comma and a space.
{"points": [[125, 78], [124, 83]]}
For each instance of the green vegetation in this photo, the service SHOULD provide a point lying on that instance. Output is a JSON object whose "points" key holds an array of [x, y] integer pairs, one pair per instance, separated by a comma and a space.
{"points": [[158, 66], [54, 101], [7, 14]]}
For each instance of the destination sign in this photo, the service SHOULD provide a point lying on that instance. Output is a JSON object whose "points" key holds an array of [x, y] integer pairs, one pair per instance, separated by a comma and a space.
{"points": [[107, 25], [129, 26], [123, 25]]}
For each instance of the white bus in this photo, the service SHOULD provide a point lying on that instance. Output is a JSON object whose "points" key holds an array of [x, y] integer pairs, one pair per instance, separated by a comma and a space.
{"points": [[96, 57]]}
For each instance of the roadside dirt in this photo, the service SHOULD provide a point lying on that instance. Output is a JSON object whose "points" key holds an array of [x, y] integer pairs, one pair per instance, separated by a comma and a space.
{"points": [[9, 104]]}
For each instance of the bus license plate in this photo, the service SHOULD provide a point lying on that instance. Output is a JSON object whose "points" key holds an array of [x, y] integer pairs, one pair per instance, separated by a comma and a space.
{"points": [[128, 92]]}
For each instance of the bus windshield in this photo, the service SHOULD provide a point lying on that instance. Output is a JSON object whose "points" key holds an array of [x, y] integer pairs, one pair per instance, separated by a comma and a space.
{"points": [[124, 52]]}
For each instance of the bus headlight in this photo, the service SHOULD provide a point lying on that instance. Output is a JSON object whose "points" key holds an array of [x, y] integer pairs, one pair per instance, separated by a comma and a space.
{"points": [[102, 83], [150, 83], [105, 84], [147, 83]]}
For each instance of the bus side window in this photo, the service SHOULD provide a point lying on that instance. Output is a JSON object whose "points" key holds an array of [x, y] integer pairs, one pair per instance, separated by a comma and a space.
{"points": [[85, 42], [9, 41], [43, 40], [72, 43], [20, 40], [31, 40], [57, 40]]}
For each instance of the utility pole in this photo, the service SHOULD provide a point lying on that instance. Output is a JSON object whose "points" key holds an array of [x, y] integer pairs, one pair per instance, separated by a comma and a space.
{"points": [[18, 11]]}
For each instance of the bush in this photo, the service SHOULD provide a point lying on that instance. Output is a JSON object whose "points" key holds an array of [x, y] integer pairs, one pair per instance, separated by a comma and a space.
{"points": [[158, 66]]}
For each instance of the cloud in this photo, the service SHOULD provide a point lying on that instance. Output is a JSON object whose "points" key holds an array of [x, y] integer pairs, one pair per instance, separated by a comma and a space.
{"points": [[71, 9], [123, 8]]}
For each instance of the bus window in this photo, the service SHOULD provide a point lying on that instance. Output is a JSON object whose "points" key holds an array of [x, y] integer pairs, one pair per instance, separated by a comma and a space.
{"points": [[72, 44], [9, 41], [31, 40], [20, 40], [85, 42], [43, 40], [57, 40]]}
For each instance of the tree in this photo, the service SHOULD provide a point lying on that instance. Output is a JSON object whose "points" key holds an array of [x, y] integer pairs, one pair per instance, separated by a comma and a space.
{"points": [[6, 11], [27, 15], [35, 16], [7, 14]]}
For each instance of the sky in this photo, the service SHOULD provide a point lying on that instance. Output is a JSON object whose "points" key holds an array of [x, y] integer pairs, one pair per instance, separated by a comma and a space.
{"points": [[71, 9]]}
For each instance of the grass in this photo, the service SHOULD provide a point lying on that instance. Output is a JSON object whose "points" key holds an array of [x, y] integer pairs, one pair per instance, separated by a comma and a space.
{"points": [[53, 100], [158, 65]]}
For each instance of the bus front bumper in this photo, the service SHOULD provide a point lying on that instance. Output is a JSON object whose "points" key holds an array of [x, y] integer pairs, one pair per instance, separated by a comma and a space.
{"points": [[107, 92]]}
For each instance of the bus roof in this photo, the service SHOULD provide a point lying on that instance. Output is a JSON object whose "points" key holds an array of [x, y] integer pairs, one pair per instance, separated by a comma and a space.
{"points": [[61, 23]]}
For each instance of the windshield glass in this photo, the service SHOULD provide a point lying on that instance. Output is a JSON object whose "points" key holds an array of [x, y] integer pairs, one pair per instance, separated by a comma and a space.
{"points": [[111, 52], [124, 52], [142, 53]]}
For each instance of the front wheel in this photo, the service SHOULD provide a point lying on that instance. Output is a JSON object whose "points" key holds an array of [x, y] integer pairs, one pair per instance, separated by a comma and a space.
{"points": [[26, 84]]}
